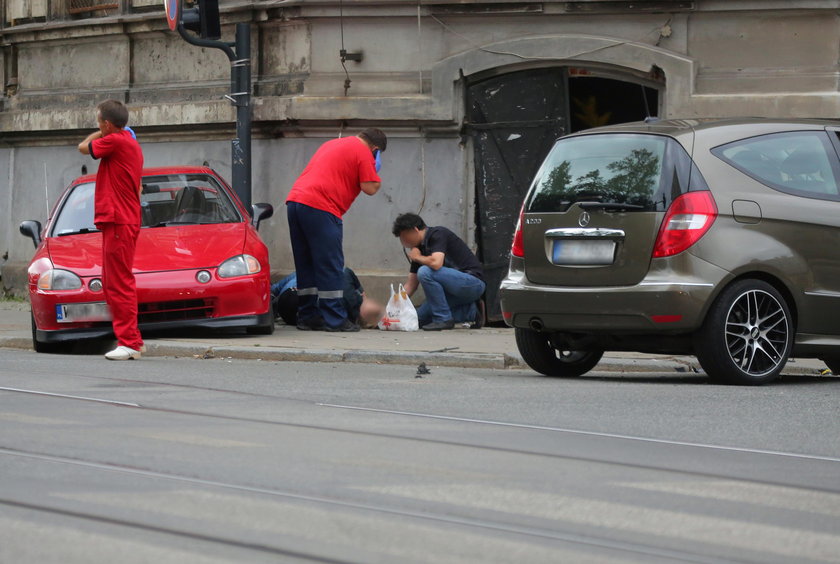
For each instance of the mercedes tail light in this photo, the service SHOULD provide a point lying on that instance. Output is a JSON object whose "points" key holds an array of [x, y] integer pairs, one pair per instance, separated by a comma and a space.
{"points": [[517, 249], [688, 218]]}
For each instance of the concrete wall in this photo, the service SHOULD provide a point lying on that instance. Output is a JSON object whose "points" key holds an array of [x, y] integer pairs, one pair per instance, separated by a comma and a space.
{"points": [[7, 226], [718, 57], [761, 53], [419, 175]]}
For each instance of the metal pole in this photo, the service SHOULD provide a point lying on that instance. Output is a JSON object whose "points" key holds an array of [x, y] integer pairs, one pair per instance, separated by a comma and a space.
{"points": [[241, 146], [240, 96]]}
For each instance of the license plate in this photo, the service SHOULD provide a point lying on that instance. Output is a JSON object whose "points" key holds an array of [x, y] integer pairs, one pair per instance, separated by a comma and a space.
{"points": [[581, 252], [77, 313]]}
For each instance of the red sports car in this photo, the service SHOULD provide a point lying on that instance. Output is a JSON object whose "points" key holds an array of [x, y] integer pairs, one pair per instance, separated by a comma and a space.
{"points": [[199, 263]]}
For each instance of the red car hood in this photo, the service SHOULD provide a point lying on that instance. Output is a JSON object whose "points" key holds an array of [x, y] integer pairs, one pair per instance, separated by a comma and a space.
{"points": [[158, 248]]}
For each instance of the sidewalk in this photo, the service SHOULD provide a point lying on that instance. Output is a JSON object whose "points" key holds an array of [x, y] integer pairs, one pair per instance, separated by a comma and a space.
{"points": [[461, 347]]}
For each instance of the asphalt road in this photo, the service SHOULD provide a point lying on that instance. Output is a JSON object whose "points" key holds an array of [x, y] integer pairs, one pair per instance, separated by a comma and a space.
{"points": [[214, 460]]}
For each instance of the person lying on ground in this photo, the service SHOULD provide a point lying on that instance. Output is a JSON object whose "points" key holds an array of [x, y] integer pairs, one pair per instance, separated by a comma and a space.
{"points": [[362, 310]]}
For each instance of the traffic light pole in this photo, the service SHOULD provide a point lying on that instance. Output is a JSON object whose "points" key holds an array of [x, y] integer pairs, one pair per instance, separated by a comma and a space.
{"points": [[239, 54], [240, 70]]}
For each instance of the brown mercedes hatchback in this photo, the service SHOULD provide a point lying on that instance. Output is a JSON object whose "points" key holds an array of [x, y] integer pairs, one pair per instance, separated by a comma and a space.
{"points": [[718, 238]]}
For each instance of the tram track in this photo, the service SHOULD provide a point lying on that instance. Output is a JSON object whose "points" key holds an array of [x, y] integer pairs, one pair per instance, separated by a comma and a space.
{"points": [[171, 532], [152, 403], [442, 519], [724, 449]]}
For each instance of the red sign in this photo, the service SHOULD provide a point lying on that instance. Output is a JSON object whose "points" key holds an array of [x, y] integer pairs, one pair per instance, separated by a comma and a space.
{"points": [[172, 7]]}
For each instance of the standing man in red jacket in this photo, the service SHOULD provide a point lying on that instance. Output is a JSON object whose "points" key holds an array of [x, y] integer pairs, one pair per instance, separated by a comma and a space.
{"points": [[337, 173], [117, 216]]}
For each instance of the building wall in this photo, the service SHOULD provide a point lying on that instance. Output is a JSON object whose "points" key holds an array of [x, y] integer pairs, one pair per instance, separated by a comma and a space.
{"points": [[718, 57], [419, 175]]}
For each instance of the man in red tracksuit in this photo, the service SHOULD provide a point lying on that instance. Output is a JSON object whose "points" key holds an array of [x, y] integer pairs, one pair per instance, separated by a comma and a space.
{"points": [[117, 216]]}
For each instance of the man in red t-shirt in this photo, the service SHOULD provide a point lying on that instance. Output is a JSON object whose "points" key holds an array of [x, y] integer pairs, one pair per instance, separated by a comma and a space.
{"points": [[338, 171], [117, 216]]}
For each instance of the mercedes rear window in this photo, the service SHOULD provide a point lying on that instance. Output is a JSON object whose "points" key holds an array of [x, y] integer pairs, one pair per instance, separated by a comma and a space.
{"points": [[644, 172]]}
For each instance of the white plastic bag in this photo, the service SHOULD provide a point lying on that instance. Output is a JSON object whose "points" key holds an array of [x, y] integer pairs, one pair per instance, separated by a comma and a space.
{"points": [[400, 314]]}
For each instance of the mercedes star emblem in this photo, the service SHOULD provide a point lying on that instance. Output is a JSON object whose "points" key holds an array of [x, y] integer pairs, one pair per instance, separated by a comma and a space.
{"points": [[584, 219]]}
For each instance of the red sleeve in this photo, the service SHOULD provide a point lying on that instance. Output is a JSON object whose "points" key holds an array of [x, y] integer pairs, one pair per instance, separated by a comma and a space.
{"points": [[367, 169], [102, 147]]}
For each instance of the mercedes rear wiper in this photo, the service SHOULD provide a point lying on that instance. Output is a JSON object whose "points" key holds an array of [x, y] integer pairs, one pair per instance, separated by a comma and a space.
{"points": [[609, 206]]}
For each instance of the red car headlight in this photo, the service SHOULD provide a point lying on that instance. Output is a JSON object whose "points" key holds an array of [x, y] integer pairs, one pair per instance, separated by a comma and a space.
{"points": [[240, 265], [57, 279]]}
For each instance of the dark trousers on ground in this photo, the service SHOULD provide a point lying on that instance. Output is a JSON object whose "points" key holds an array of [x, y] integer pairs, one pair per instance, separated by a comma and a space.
{"points": [[317, 245], [118, 245]]}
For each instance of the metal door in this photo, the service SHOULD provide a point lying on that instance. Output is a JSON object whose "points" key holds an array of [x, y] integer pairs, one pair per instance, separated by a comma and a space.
{"points": [[514, 120]]}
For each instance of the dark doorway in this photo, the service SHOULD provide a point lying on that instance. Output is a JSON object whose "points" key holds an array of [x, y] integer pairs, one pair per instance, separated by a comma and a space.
{"points": [[594, 102], [514, 120]]}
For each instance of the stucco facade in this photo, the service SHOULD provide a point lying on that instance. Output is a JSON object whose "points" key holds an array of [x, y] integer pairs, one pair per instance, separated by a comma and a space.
{"points": [[703, 57]]}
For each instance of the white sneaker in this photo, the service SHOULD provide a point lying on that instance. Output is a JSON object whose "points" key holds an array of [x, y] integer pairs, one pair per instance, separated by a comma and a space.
{"points": [[122, 353]]}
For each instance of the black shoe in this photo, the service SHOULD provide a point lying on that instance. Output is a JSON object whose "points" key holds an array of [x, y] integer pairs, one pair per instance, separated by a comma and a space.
{"points": [[311, 324], [439, 325], [480, 315], [346, 327]]}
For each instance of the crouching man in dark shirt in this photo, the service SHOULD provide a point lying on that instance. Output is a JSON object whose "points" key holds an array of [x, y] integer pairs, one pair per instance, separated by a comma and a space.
{"points": [[451, 275]]}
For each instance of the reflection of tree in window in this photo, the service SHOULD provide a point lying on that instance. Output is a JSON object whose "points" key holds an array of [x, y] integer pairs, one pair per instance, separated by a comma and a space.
{"points": [[634, 181], [554, 192], [636, 178], [560, 177]]}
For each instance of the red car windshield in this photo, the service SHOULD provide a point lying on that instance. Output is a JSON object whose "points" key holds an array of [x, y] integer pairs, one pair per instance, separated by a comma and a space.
{"points": [[171, 199]]}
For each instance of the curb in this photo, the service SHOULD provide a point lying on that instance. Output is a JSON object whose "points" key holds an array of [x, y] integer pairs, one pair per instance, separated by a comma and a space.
{"points": [[497, 361], [16, 343], [276, 354]]}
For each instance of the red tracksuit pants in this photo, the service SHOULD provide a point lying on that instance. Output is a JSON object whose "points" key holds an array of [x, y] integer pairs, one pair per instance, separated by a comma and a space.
{"points": [[118, 245]]}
